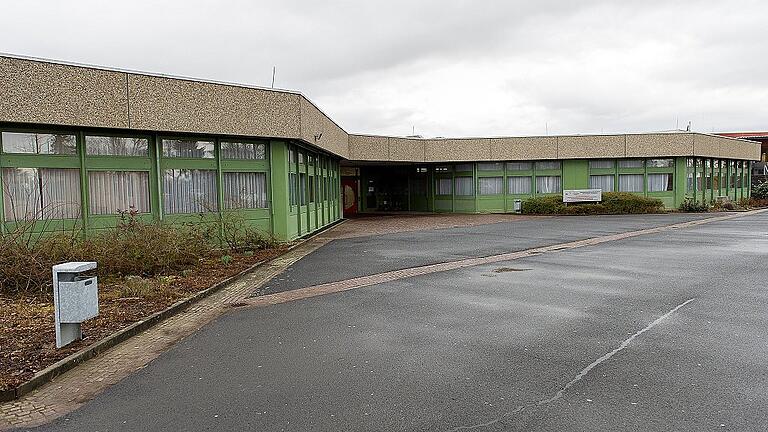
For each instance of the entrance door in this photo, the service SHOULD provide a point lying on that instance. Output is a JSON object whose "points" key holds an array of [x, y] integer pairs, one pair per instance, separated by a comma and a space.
{"points": [[350, 194]]}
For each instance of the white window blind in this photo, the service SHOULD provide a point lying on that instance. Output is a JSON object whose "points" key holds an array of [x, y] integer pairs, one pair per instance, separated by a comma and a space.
{"points": [[630, 163], [519, 166], [490, 166], [443, 186], [630, 183], [601, 163], [602, 182], [41, 193], [520, 185], [464, 186], [110, 191], [189, 191], [490, 185], [659, 182], [548, 165], [245, 190], [548, 184]]}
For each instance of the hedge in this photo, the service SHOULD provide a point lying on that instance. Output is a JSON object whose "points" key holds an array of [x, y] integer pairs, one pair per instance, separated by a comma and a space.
{"points": [[613, 203]]}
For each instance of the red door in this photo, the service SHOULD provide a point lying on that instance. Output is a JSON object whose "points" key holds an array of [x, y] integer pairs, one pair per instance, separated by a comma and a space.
{"points": [[349, 192]]}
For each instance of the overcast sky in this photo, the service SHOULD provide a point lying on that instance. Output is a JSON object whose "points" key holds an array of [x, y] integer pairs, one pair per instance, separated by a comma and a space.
{"points": [[443, 67]]}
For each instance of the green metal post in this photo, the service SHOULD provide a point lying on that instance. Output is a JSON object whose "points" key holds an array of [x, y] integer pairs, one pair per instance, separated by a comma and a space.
{"points": [[280, 188], [84, 207]]}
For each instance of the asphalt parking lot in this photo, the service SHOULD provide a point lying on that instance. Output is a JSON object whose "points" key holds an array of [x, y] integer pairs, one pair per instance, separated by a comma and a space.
{"points": [[659, 332]]}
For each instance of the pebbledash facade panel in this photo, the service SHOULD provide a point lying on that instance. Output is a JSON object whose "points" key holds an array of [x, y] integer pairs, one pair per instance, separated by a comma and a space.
{"points": [[83, 146]]}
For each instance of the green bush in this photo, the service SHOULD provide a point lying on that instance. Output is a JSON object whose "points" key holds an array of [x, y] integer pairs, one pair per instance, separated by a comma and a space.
{"points": [[691, 206], [613, 203], [760, 192]]}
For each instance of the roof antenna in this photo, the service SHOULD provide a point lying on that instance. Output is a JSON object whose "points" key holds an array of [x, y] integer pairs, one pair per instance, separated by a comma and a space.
{"points": [[546, 128], [413, 130], [688, 128], [273, 76]]}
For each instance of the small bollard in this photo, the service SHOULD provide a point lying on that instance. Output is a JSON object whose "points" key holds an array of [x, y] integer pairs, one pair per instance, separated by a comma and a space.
{"points": [[75, 299]]}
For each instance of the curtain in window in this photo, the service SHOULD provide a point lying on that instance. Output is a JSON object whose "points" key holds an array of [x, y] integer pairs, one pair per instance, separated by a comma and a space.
{"points": [[41, 193], [189, 191], [631, 183], [464, 186], [548, 184], [244, 190], [602, 182], [659, 182], [630, 163], [490, 166], [548, 165], [601, 163], [520, 185], [519, 166], [110, 191], [464, 167], [491, 185], [443, 186]]}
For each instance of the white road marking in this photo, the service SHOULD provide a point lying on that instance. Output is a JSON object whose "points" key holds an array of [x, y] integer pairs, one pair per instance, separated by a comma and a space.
{"points": [[578, 376]]}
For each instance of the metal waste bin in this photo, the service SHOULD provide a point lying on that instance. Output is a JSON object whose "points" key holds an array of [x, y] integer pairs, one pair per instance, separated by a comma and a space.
{"points": [[75, 299], [517, 206]]}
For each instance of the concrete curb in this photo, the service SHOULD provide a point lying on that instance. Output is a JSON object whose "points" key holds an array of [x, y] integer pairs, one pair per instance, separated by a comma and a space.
{"points": [[49, 373]]}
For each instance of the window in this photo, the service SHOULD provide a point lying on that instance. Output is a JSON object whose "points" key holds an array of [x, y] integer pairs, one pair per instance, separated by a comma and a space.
{"points": [[548, 165], [601, 163], [41, 193], [519, 166], [490, 185], [419, 186], [630, 163], [301, 157], [302, 189], [111, 191], [186, 148], [464, 167], [293, 188], [659, 182], [602, 182], [311, 188], [548, 184], [116, 146], [292, 156], [659, 163], [39, 143], [442, 169], [520, 185], [490, 166], [243, 150], [421, 169], [443, 186], [630, 183], [464, 186], [247, 190], [189, 191]]}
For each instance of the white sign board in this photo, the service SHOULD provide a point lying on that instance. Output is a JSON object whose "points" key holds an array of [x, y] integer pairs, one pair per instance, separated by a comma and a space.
{"points": [[582, 195]]}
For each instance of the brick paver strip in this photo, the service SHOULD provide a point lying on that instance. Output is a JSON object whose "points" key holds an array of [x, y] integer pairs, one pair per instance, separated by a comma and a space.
{"points": [[82, 383]]}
